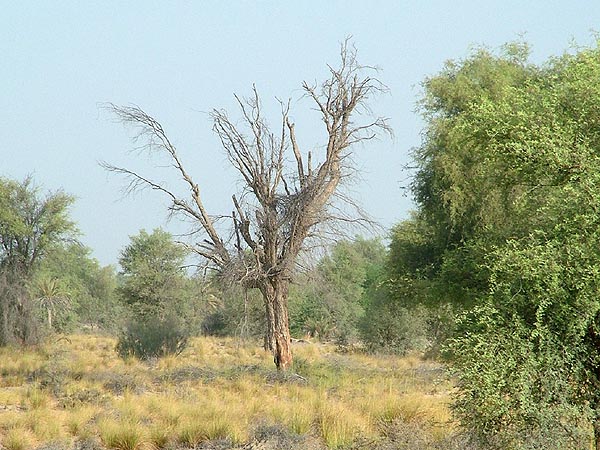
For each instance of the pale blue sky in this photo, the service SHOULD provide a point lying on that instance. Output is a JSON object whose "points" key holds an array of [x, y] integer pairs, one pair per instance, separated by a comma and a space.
{"points": [[180, 59]]}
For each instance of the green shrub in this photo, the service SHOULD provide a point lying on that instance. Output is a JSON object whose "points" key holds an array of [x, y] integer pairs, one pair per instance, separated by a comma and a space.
{"points": [[21, 324], [514, 391], [152, 338], [391, 327], [216, 324]]}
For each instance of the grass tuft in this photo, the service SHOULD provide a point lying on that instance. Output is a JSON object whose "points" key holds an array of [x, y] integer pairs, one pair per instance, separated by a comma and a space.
{"points": [[190, 433], [36, 398], [18, 439], [78, 421], [340, 425], [160, 436], [121, 435]]}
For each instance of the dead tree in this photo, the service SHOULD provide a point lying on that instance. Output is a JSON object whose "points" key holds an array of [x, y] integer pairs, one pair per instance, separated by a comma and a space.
{"points": [[280, 208]]}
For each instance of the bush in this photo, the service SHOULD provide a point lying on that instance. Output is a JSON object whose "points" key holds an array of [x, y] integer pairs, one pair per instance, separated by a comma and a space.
{"points": [[515, 391], [392, 325], [397, 330], [20, 323], [216, 324], [152, 338]]}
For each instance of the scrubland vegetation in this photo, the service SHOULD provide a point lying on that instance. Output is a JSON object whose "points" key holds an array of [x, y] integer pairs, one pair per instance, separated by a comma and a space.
{"points": [[76, 393], [495, 276]]}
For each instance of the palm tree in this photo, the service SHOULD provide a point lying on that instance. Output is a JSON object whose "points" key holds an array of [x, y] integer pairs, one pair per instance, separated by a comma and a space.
{"points": [[51, 296]]}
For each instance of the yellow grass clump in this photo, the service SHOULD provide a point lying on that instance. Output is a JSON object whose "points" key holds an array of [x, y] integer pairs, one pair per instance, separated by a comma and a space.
{"points": [[121, 434], [18, 439]]}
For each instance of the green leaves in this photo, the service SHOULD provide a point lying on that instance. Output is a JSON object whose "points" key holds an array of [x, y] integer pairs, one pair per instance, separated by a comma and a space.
{"points": [[153, 273], [91, 287], [30, 226], [508, 220], [30, 223], [330, 300]]}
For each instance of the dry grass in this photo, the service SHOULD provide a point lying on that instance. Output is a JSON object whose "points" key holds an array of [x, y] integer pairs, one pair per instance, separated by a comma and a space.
{"points": [[18, 439], [217, 390]]}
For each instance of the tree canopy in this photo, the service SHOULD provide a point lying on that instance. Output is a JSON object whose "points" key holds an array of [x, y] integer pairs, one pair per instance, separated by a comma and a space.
{"points": [[508, 188], [153, 274], [30, 225]]}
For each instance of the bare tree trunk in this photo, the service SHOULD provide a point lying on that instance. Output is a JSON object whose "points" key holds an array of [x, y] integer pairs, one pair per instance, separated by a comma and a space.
{"points": [[269, 343], [596, 426], [278, 337]]}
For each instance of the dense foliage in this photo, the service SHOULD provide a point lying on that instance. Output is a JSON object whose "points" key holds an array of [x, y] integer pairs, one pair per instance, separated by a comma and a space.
{"points": [[88, 289], [30, 225], [329, 302], [153, 287], [508, 188], [153, 275]]}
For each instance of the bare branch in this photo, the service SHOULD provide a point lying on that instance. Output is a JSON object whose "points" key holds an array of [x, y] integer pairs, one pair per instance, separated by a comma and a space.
{"points": [[153, 132], [243, 225], [297, 154]]}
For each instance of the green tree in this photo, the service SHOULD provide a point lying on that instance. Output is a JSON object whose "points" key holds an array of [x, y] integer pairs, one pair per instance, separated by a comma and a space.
{"points": [[30, 224], [153, 287], [91, 287], [330, 300], [508, 186], [396, 319], [153, 274], [466, 188]]}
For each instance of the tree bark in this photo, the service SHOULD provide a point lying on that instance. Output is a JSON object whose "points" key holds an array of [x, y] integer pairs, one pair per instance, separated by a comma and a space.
{"points": [[269, 343], [596, 426], [278, 339]]}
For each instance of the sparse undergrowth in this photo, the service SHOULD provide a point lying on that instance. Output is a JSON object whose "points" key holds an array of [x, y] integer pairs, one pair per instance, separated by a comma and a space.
{"points": [[218, 394]]}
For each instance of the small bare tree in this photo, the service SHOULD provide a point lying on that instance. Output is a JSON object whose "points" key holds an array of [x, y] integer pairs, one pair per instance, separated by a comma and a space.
{"points": [[281, 208]]}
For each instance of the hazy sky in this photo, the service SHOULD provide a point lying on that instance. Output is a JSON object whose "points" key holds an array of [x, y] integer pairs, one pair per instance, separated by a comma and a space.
{"points": [[179, 59]]}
